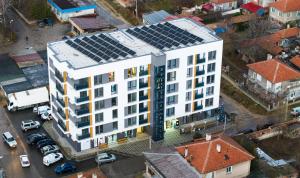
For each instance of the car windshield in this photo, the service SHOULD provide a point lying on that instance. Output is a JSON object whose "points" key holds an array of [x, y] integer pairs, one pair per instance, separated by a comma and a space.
{"points": [[25, 162], [10, 139]]}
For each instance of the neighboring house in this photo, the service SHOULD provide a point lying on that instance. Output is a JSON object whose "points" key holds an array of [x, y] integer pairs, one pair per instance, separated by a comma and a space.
{"points": [[253, 8], [275, 77], [109, 87], [212, 157], [64, 9], [83, 25], [155, 17], [285, 11], [224, 5], [262, 3]]}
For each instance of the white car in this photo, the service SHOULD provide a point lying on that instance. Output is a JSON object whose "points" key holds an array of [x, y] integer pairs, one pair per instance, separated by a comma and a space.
{"points": [[47, 115], [29, 124], [105, 158], [24, 161], [52, 158], [9, 139], [41, 109]]}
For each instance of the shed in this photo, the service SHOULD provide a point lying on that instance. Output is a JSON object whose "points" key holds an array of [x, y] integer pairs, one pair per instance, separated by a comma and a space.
{"points": [[253, 8]]}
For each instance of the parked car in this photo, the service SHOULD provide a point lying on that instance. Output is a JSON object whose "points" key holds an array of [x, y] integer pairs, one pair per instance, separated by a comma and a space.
{"points": [[41, 109], [29, 124], [40, 144], [52, 158], [9, 139], [65, 167], [47, 115], [24, 161], [34, 138], [46, 21], [49, 149], [105, 158]]}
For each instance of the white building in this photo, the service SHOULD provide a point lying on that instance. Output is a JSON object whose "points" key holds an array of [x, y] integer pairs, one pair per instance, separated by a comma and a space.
{"points": [[108, 87], [224, 5]]}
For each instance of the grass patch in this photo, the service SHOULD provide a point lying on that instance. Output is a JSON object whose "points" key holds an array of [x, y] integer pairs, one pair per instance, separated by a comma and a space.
{"points": [[241, 98], [34, 9]]}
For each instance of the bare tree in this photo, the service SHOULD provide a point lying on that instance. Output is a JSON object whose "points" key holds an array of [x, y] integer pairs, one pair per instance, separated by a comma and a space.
{"points": [[4, 6], [258, 27]]}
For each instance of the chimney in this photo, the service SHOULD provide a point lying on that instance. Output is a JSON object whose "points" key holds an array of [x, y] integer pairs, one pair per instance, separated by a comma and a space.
{"points": [[94, 175], [269, 56], [80, 175], [288, 26], [208, 137], [218, 148], [186, 151]]}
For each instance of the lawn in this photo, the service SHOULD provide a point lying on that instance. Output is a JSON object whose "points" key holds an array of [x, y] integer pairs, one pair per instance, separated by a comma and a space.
{"points": [[34, 9]]}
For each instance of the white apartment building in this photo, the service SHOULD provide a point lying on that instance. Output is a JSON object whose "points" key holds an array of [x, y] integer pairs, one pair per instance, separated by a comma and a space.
{"points": [[108, 87]]}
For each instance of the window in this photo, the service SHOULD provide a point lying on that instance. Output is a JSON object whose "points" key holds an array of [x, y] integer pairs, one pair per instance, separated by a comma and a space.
{"points": [[229, 170], [129, 73], [99, 129], [187, 107], [209, 102], [209, 91], [99, 104], [114, 89], [99, 117], [212, 55], [131, 85], [130, 109], [115, 125], [115, 113], [172, 100], [171, 88], [273, 9], [171, 76], [280, 13], [170, 112], [97, 79], [298, 13], [210, 79], [131, 97], [189, 72], [130, 121], [98, 92], [190, 60], [211, 67], [288, 14], [188, 84], [114, 101], [188, 96], [104, 78], [173, 63]]}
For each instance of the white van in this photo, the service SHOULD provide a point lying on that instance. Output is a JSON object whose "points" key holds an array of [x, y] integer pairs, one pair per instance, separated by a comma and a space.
{"points": [[41, 109]]}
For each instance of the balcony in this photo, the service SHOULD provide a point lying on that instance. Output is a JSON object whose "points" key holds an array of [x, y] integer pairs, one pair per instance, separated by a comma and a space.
{"points": [[197, 107], [81, 86], [143, 84], [61, 102], [83, 136], [198, 95], [60, 89], [143, 72], [200, 72], [200, 61], [199, 84], [81, 99], [143, 97], [61, 113], [143, 109], [143, 121], [62, 125], [81, 111], [82, 124], [59, 76]]}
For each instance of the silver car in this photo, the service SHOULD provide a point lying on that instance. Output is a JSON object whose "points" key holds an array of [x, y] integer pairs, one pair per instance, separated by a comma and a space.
{"points": [[30, 124], [105, 158], [49, 149]]}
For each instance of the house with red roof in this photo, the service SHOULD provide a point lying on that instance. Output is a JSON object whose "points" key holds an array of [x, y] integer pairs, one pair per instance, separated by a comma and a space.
{"points": [[262, 3], [216, 156], [285, 11], [224, 5], [275, 77]]}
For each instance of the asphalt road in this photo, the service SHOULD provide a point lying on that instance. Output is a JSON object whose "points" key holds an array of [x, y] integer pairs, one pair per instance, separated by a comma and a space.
{"points": [[10, 156]]}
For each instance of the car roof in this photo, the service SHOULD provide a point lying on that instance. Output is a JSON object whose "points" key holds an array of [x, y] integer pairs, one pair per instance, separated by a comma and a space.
{"points": [[24, 158], [102, 155], [7, 134], [27, 121]]}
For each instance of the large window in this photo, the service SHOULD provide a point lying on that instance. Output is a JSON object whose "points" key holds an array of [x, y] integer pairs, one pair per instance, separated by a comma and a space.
{"points": [[171, 76], [229, 170], [173, 63], [188, 96], [115, 113], [131, 85], [210, 79], [115, 125], [114, 89], [131, 97], [171, 88], [99, 117], [172, 100], [130, 110], [99, 129], [98, 92], [209, 102], [104, 78], [212, 55], [209, 90], [130, 121], [129, 73], [190, 60], [187, 107], [189, 72], [211, 67], [170, 112], [189, 84], [99, 104]]}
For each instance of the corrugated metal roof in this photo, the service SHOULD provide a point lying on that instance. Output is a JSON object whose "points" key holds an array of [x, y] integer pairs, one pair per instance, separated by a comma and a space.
{"points": [[155, 17]]}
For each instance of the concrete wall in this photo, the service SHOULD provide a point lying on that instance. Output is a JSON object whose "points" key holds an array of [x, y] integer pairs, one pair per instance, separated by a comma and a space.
{"points": [[238, 171]]}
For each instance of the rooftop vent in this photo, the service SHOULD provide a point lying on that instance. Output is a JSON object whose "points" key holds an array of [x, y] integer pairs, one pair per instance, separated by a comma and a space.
{"points": [[218, 148], [208, 137]]}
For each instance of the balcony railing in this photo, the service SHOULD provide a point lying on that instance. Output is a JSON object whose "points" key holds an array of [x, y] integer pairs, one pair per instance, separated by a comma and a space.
{"points": [[143, 97], [143, 84], [61, 113], [199, 84], [60, 89], [81, 111], [59, 76], [82, 99], [81, 86], [61, 102], [200, 61], [143, 72], [82, 124], [143, 109], [143, 121], [197, 107], [83, 136], [200, 72], [62, 125], [198, 95]]}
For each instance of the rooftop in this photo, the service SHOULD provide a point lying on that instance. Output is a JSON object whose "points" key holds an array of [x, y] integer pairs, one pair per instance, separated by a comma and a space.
{"points": [[252, 7], [138, 41], [274, 71], [215, 154], [286, 5], [155, 17], [90, 23], [69, 4], [296, 61], [221, 1]]}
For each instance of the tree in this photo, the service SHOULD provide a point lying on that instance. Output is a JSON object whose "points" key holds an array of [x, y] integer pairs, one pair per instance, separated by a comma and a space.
{"points": [[4, 6], [258, 27]]}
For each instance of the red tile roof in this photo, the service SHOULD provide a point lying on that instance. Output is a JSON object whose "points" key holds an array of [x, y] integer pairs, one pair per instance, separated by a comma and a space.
{"points": [[222, 1], [251, 7], [274, 71], [296, 60], [286, 5], [206, 158]]}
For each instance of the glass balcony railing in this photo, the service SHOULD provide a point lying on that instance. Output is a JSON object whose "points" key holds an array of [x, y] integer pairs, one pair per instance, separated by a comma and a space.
{"points": [[143, 121], [62, 125], [143, 109], [197, 107], [200, 61], [81, 86], [200, 72], [143, 97], [82, 124], [59, 76], [61, 113], [81, 111], [82, 99], [83, 136], [199, 84], [143, 72], [198, 95], [60, 89], [143, 84], [61, 102]]}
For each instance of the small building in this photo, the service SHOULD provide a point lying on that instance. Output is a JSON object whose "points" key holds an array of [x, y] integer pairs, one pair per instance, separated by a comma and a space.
{"points": [[83, 25], [224, 5], [64, 9], [253, 8], [215, 156], [285, 11], [155, 17], [262, 3], [275, 77]]}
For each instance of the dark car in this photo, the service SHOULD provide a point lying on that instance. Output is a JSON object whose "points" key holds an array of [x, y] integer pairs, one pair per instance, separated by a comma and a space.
{"points": [[34, 138], [65, 167], [47, 21], [44, 142]]}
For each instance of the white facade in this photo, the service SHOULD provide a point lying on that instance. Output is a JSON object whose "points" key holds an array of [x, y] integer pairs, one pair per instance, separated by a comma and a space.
{"points": [[67, 65], [284, 17], [225, 6]]}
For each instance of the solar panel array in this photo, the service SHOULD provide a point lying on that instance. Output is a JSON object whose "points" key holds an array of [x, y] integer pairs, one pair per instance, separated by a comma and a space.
{"points": [[100, 47], [164, 35]]}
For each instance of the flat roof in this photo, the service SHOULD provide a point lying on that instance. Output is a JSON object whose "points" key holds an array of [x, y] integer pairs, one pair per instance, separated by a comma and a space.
{"points": [[69, 4], [96, 49], [90, 23]]}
